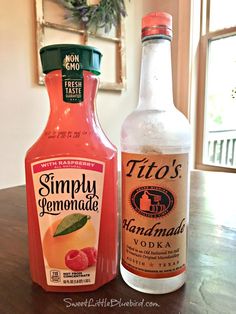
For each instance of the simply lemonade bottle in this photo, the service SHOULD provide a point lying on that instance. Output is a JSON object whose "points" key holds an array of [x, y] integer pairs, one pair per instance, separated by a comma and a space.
{"points": [[71, 180], [155, 177]]}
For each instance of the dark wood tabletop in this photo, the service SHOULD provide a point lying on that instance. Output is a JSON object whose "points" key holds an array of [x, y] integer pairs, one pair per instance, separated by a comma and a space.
{"points": [[211, 282]]}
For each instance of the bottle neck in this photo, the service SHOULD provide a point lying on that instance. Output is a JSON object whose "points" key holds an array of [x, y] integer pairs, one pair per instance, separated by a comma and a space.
{"points": [[156, 76], [65, 115]]}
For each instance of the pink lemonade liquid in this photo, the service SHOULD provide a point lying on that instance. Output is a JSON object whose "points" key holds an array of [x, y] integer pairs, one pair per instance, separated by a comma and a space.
{"points": [[71, 176]]}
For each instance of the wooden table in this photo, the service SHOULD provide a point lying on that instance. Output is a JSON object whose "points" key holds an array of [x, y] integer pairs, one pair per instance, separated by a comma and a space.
{"points": [[211, 283]]}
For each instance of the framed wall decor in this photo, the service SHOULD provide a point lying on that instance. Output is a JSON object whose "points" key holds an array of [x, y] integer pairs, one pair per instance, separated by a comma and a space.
{"points": [[55, 25]]}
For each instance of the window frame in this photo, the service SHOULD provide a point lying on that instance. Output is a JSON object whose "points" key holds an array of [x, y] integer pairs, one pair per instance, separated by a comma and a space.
{"points": [[205, 37]]}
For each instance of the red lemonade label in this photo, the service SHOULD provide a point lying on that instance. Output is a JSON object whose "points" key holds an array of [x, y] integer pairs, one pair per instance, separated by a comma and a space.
{"points": [[68, 193]]}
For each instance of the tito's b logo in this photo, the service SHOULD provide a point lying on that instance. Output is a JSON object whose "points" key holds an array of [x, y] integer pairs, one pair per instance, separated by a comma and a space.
{"points": [[152, 201]]}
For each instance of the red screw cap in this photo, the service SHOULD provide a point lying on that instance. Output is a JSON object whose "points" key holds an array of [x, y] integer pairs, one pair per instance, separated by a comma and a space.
{"points": [[157, 23]]}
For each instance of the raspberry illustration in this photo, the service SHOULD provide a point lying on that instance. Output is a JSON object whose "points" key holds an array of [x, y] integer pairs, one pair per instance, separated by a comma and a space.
{"points": [[76, 260], [91, 253]]}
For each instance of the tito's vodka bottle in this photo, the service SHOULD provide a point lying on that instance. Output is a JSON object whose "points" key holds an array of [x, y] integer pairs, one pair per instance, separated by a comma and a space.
{"points": [[155, 176]]}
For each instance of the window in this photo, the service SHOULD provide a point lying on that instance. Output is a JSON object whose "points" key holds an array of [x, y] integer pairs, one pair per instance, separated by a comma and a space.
{"points": [[216, 143]]}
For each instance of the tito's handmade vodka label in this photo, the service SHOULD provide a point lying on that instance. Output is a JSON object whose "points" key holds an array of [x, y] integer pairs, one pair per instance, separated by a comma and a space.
{"points": [[154, 222]]}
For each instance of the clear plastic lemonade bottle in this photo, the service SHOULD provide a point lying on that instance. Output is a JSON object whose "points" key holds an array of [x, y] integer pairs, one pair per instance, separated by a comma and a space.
{"points": [[71, 180]]}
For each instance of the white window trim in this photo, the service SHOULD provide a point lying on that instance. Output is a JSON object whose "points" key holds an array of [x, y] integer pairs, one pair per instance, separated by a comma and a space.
{"points": [[205, 36]]}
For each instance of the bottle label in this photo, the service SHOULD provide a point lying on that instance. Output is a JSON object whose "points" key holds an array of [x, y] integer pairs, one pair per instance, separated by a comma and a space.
{"points": [[154, 209], [68, 195], [72, 76]]}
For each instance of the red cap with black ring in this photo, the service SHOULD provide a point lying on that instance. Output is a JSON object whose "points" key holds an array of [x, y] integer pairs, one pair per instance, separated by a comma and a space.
{"points": [[157, 24]]}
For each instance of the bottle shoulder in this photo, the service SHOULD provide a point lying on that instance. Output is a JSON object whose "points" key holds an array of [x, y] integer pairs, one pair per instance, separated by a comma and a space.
{"points": [[96, 147], [156, 130]]}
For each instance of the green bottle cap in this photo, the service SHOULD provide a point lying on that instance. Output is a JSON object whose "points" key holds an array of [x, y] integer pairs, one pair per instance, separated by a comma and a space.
{"points": [[53, 57]]}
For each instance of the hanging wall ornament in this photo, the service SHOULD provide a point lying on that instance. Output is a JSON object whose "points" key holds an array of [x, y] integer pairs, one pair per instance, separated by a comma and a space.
{"points": [[95, 14]]}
